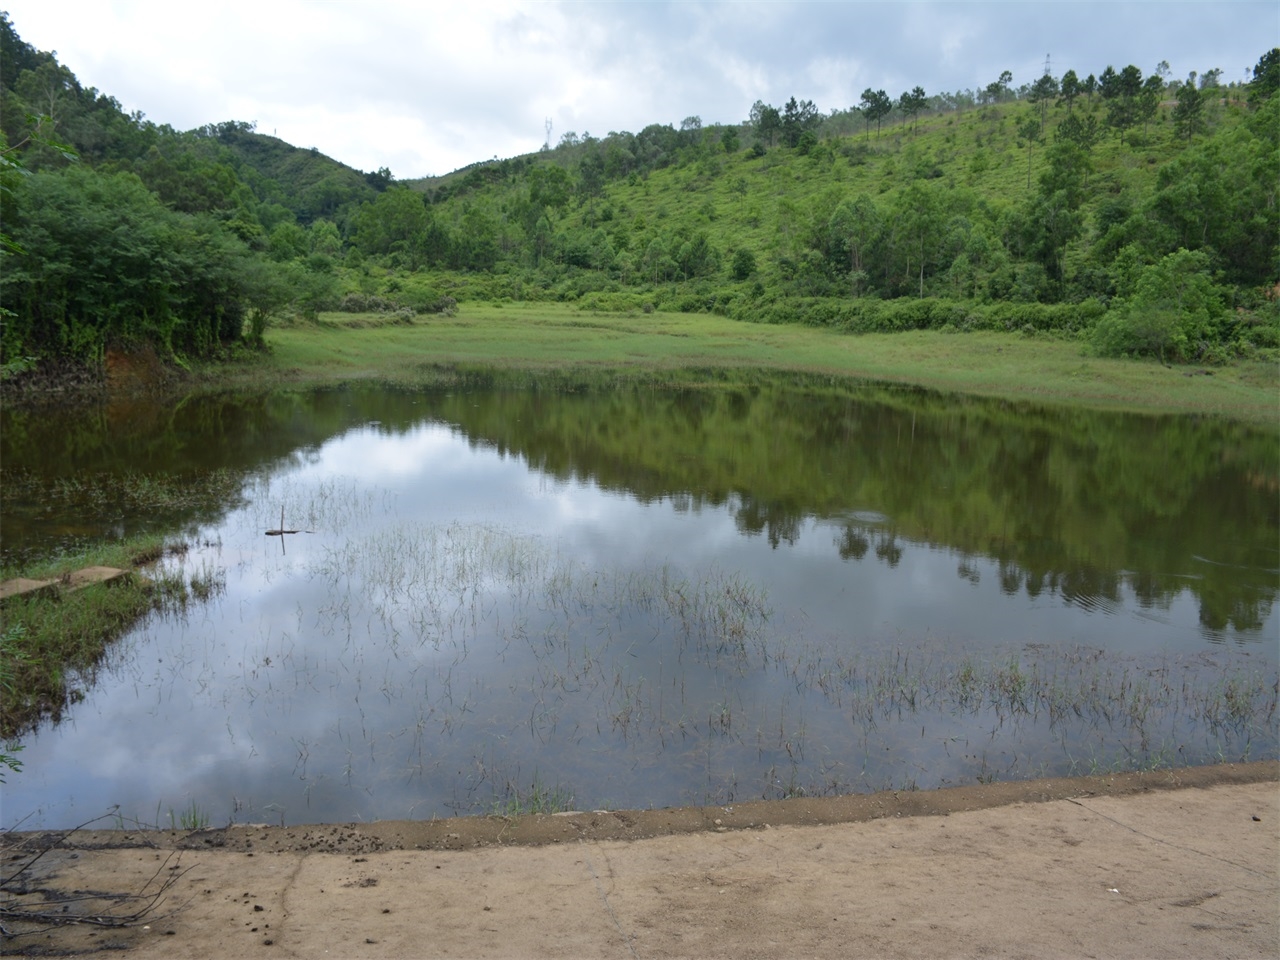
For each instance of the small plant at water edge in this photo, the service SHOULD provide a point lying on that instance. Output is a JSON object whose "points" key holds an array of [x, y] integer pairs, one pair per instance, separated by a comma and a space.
{"points": [[191, 817], [539, 798]]}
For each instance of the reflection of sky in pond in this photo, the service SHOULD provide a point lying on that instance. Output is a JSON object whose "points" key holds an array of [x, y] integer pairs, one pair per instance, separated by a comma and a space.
{"points": [[437, 476], [306, 690]]}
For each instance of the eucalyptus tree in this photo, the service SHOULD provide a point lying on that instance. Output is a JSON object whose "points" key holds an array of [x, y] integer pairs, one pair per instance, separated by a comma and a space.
{"points": [[394, 223], [916, 229], [96, 258], [1055, 217], [854, 226]]}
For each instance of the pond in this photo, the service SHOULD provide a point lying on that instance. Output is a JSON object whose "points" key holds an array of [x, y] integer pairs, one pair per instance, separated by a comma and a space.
{"points": [[627, 595]]}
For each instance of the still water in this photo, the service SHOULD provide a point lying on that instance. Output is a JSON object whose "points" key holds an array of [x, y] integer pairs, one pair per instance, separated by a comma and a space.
{"points": [[636, 597]]}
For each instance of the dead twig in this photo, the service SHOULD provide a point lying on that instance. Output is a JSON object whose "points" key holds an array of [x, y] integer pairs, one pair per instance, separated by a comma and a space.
{"points": [[140, 905]]}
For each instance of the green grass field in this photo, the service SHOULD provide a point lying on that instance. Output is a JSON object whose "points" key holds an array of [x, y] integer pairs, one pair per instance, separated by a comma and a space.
{"points": [[542, 338]]}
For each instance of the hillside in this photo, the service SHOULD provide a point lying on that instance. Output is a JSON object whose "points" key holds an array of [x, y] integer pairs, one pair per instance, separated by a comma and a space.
{"points": [[1049, 225], [1138, 215]]}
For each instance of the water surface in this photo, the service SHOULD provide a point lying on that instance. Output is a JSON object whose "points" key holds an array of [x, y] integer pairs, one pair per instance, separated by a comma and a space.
{"points": [[636, 596]]}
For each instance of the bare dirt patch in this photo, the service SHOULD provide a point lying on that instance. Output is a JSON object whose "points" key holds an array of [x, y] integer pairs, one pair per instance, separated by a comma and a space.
{"points": [[1174, 863]]}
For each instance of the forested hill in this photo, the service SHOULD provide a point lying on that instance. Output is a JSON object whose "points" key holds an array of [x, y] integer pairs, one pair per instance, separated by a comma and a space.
{"points": [[191, 170], [1138, 214]]}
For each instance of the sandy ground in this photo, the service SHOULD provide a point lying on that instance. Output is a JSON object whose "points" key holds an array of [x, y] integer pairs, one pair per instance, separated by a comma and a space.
{"points": [[1169, 864]]}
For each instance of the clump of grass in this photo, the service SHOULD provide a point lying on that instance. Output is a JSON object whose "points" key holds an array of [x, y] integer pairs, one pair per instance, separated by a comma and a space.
{"points": [[1081, 695], [208, 583], [1010, 686], [11, 654], [191, 817], [1238, 700], [539, 798]]}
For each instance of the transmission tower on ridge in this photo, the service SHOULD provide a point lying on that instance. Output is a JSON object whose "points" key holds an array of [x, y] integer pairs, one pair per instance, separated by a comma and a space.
{"points": [[1047, 71], [547, 144]]}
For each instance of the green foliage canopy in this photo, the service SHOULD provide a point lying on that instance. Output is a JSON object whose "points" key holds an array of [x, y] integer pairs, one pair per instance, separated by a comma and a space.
{"points": [[104, 260]]}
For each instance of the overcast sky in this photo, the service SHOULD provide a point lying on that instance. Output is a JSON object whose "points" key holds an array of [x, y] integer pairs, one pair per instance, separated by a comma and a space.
{"points": [[425, 88]]}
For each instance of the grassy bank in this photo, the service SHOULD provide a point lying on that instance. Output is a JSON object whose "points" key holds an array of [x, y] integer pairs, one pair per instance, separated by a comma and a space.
{"points": [[560, 338], [51, 639]]}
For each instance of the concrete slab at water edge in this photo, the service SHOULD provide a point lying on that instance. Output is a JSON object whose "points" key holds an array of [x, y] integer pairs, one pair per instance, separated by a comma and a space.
{"points": [[77, 580]]}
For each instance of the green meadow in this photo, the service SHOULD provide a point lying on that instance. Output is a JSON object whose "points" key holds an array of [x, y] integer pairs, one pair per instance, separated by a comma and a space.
{"points": [[545, 339]]}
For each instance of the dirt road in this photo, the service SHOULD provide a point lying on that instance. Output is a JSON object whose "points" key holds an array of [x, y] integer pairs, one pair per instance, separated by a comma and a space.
{"points": [[1169, 864]]}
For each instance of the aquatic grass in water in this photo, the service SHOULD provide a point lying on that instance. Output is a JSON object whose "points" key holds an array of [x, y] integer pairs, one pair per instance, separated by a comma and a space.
{"points": [[449, 654], [124, 492], [649, 659], [1083, 698], [427, 585]]}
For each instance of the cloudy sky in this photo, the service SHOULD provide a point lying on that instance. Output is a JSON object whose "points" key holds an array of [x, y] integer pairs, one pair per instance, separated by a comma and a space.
{"points": [[424, 88]]}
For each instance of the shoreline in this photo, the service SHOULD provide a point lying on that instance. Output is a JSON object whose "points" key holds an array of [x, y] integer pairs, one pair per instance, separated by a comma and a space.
{"points": [[538, 829], [548, 342]]}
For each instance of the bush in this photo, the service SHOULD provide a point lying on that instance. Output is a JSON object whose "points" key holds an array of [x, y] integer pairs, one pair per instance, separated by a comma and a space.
{"points": [[1260, 329], [868, 315], [445, 305], [364, 303], [1135, 332], [1175, 313], [609, 302]]}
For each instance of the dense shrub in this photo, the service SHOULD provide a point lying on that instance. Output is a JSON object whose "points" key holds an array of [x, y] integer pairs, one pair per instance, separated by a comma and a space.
{"points": [[744, 264], [868, 315], [100, 260], [364, 303], [1176, 312]]}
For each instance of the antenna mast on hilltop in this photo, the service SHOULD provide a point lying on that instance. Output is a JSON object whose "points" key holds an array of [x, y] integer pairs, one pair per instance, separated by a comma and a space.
{"points": [[547, 144], [1047, 71]]}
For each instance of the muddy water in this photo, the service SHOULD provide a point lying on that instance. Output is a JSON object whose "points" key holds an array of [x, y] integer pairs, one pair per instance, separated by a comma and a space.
{"points": [[633, 597]]}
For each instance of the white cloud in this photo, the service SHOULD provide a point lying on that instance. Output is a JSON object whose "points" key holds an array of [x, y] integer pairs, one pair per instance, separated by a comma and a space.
{"points": [[836, 82], [425, 89]]}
